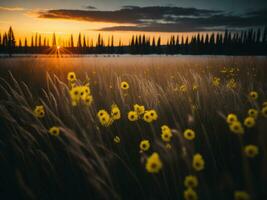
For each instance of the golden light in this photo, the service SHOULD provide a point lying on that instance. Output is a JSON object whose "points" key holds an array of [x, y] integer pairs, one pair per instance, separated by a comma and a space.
{"points": [[58, 47]]}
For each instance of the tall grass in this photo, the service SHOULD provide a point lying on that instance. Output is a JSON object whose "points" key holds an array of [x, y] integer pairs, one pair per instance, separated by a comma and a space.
{"points": [[83, 162]]}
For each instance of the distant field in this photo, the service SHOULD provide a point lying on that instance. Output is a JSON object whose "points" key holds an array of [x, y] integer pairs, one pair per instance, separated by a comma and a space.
{"points": [[104, 161]]}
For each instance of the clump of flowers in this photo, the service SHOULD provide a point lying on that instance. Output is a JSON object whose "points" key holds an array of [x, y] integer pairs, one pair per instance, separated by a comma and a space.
{"points": [[198, 162], [79, 92], [153, 163], [251, 151], [107, 119], [39, 111], [54, 131], [150, 116], [139, 112], [166, 133]]}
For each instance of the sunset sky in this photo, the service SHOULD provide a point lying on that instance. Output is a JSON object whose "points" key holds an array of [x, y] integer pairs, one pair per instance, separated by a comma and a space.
{"points": [[123, 18]]}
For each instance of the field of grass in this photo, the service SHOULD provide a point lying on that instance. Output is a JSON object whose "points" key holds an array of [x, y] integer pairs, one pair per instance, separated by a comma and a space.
{"points": [[90, 160]]}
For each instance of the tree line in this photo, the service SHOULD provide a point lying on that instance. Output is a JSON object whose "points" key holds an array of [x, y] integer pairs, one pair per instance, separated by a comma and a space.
{"points": [[245, 42]]}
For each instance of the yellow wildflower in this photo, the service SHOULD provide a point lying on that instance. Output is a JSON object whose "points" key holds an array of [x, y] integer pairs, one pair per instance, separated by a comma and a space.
{"points": [[251, 150], [190, 194], [139, 109], [54, 131], [144, 145], [264, 111], [115, 112], [75, 95], [88, 100], [195, 87], [153, 163], [253, 113], [153, 114], [39, 111], [231, 84], [191, 181], [168, 146], [216, 81], [132, 116], [231, 118], [117, 139], [166, 136], [249, 122], [236, 127], [189, 134], [253, 95], [104, 118], [71, 76], [183, 88], [198, 162], [241, 195], [264, 104], [147, 117], [124, 85]]}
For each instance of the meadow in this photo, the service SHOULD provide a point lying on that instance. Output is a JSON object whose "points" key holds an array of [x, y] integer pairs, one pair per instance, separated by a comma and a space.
{"points": [[133, 127]]}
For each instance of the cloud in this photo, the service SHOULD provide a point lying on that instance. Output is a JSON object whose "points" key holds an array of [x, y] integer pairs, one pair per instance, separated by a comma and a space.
{"points": [[162, 19], [90, 7], [3, 8]]}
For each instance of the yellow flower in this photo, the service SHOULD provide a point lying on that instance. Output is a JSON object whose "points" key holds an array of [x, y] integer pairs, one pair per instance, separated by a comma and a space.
{"points": [[104, 118], [189, 134], [139, 109], [88, 100], [195, 87], [132, 116], [231, 118], [198, 162], [166, 133], [54, 131], [117, 139], [216, 81], [144, 145], [264, 111], [153, 114], [231, 84], [147, 117], [153, 163], [183, 88], [191, 181], [264, 104], [85, 91], [236, 127], [115, 112], [168, 146], [124, 85], [253, 95], [190, 194], [71, 76], [253, 113], [75, 94], [249, 122], [39, 111], [251, 150], [241, 195]]}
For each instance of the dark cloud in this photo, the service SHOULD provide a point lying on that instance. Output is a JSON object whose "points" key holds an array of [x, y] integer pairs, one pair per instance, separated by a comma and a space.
{"points": [[163, 19], [90, 7]]}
